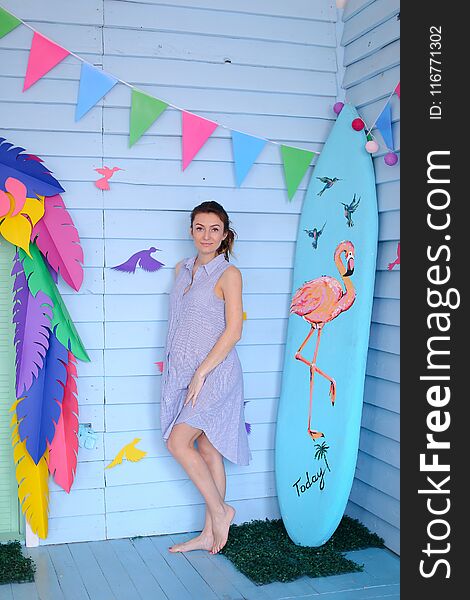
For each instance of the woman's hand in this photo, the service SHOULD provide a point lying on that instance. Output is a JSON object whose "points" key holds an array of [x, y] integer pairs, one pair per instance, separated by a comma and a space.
{"points": [[194, 388]]}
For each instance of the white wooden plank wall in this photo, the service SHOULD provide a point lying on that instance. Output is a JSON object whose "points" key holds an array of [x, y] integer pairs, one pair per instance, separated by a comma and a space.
{"points": [[371, 71], [266, 68]]}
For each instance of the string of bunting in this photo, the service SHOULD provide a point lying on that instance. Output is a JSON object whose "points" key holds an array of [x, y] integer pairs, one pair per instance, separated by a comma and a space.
{"points": [[145, 109]]}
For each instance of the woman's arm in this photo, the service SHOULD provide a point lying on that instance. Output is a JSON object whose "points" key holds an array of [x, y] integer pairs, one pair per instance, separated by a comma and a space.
{"points": [[231, 285]]}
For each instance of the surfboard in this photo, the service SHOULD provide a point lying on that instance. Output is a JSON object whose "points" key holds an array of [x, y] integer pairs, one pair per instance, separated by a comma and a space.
{"points": [[320, 406]]}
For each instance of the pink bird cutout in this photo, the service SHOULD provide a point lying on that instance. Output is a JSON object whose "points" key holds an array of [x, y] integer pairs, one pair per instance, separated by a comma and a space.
{"points": [[318, 302], [103, 183], [160, 365], [397, 260]]}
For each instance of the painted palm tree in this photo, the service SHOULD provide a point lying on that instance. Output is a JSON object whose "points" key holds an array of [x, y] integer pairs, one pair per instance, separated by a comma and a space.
{"points": [[321, 450]]}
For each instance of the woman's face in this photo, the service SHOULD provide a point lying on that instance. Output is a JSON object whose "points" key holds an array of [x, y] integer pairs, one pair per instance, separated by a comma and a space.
{"points": [[207, 232]]}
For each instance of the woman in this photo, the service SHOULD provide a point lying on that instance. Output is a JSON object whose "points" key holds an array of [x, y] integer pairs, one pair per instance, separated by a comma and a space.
{"points": [[202, 387]]}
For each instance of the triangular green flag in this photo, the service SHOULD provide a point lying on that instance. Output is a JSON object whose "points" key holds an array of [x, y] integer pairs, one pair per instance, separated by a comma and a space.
{"points": [[296, 162], [7, 22], [145, 110]]}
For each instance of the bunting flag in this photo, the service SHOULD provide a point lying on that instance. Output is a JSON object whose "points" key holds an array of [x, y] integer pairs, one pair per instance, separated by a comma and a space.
{"points": [[246, 149], [397, 89], [7, 22], [196, 131], [43, 56], [384, 125], [296, 162], [94, 84], [145, 110]]}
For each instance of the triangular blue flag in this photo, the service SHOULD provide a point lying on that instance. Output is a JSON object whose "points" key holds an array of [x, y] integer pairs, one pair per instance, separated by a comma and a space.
{"points": [[94, 84], [246, 149], [384, 125]]}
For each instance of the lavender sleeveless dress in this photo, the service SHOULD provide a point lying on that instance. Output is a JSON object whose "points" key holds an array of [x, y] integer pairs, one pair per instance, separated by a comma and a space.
{"points": [[196, 321]]}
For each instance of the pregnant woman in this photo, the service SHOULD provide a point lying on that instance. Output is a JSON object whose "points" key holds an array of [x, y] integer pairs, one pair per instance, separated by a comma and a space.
{"points": [[202, 388]]}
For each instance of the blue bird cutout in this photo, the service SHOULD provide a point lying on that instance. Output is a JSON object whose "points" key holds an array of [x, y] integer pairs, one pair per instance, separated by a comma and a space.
{"points": [[140, 259]]}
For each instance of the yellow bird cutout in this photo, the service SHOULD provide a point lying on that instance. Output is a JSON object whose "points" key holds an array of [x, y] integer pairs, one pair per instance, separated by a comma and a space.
{"points": [[244, 315], [130, 452]]}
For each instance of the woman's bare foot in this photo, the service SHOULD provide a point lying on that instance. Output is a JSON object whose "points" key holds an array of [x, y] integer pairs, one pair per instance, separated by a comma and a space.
{"points": [[220, 526], [203, 541]]}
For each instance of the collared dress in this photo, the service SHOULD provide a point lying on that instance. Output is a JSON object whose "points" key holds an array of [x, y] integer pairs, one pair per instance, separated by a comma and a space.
{"points": [[196, 320]]}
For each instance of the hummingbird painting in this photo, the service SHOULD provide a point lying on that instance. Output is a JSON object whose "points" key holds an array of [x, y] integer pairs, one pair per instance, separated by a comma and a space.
{"points": [[350, 208], [328, 181], [315, 234]]}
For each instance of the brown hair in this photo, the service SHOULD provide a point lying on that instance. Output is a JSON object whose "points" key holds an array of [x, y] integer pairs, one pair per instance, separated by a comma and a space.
{"points": [[211, 206]]}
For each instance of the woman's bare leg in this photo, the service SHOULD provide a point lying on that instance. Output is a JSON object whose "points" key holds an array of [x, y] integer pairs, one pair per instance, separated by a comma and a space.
{"points": [[214, 460], [181, 446]]}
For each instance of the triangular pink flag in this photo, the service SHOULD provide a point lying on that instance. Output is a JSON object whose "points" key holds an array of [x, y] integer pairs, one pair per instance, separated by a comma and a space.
{"points": [[196, 131], [397, 89], [43, 56]]}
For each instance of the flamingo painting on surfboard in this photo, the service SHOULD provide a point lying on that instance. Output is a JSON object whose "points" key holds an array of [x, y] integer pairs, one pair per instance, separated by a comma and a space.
{"points": [[318, 302]]}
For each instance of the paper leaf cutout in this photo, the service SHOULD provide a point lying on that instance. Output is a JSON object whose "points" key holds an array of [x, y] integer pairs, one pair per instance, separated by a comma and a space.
{"points": [[129, 452], [94, 84], [44, 55], [296, 161], [384, 125], [103, 183], [63, 450], [37, 179], [140, 259], [246, 150], [57, 238], [8, 22], [33, 483], [145, 110], [23, 213], [39, 279], [39, 410], [32, 318], [196, 131]]}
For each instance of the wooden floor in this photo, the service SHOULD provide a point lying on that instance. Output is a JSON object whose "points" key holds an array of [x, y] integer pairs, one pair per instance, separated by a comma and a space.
{"points": [[142, 568]]}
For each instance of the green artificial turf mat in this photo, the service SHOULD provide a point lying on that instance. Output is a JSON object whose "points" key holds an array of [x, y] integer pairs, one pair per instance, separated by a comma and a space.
{"points": [[14, 567], [263, 551]]}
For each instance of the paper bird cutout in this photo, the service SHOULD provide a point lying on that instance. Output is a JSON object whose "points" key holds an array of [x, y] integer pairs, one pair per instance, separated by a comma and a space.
{"points": [[103, 183], [129, 452], [397, 260], [160, 365], [244, 316], [140, 259]]}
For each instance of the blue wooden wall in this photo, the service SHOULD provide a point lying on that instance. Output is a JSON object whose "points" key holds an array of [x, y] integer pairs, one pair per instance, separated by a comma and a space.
{"points": [[268, 68], [370, 43]]}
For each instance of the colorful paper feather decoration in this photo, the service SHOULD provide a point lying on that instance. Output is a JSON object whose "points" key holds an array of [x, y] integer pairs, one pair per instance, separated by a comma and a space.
{"points": [[39, 409], [32, 318], [63, 450], [18, 214], [33, 484], [39, 279], [129, 452], [57, 238], [140, 259], [37, 179]]}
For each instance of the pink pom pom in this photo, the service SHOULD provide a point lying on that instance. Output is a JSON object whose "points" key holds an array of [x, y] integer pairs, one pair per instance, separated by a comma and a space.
{"points": [[391, 159], [357, 124], [338, 107], [372, 146]]}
